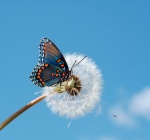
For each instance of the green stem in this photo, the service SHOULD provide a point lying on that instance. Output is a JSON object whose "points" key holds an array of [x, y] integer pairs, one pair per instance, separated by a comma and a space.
{"points": [[20, 111]]}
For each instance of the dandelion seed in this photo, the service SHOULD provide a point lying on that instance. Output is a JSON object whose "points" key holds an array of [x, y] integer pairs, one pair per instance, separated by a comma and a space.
{"points": [[98, 112], [69, 123], [80, 93], [38, 92]]}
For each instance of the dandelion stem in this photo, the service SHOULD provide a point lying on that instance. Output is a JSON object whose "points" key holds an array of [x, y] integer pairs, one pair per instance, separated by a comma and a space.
{"points": [[21, 110]]}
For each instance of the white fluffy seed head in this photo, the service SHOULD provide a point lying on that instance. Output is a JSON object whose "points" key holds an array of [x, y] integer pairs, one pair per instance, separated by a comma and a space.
{"points": [[70, 106]]}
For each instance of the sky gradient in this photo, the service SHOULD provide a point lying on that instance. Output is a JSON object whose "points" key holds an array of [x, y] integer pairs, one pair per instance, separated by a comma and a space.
{"points": [[115, 34]]}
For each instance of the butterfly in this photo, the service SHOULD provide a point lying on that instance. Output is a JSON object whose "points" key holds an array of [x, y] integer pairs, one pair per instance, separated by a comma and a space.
{"points": [[52, 67]]}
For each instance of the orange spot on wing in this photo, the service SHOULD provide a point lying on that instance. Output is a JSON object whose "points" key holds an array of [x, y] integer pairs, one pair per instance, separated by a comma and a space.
{"points": [[63, 74], [44, 46], [56, 74], [57, 70], [46, 65], [40, 80], [43, 83], [42, 67], [39, 71], [52, 74], [59, 60], [38, 77], [62, 65]]}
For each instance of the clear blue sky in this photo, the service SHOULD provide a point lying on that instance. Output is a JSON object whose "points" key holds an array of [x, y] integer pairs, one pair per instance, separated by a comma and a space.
{"points": [[115, 34]]}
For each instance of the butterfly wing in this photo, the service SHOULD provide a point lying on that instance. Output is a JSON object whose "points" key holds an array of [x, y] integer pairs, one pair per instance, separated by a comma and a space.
{"points": [[52, 67]]}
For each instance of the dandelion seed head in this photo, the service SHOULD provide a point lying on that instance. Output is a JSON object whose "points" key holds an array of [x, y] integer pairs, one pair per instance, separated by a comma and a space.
{"points": [[73, 106]]}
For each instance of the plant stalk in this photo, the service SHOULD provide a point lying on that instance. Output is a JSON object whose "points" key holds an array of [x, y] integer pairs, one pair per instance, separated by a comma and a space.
{"points": [[21, 110]]}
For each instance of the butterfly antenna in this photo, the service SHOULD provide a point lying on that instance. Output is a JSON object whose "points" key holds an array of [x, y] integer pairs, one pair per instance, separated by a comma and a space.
{"points": [[73, 65], [78, 62]]}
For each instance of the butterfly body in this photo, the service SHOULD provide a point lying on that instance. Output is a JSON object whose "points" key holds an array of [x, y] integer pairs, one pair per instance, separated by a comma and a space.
{"points": [[52, 67]]}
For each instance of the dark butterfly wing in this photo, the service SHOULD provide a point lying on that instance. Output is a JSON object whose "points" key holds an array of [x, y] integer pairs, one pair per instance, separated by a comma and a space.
{"points": [[52, 67]]}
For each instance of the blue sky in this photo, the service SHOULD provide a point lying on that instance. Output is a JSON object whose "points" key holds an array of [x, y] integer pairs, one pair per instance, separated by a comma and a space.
{"points": [[115, 34]]}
